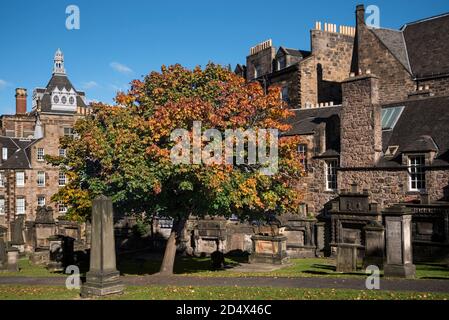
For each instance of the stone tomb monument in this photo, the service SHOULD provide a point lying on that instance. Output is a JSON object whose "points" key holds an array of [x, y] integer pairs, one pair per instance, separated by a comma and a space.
{"points": [[269, 246], [103, 277], [398, 221]]}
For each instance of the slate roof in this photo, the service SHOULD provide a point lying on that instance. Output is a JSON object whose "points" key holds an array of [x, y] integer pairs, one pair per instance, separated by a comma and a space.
{"points": [[395, 42], [424, 124], [59, 81], [306, 121], [420, 46], [19, 153], [428, 45]]}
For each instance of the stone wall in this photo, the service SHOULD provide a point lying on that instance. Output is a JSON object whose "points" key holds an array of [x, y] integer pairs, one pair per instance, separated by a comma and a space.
{"points": [[361, 131], [263, 59], [371, 54]]}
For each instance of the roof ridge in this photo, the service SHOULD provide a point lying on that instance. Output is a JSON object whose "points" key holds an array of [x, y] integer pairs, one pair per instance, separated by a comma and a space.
{"points": [[424, 20]]}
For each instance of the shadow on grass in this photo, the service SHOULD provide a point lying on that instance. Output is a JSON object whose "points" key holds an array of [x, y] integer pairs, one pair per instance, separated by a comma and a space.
{"points": [[151, 263]]}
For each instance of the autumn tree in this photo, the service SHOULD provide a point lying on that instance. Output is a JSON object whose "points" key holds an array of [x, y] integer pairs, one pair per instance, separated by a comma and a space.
{"points": [[123, 151]]}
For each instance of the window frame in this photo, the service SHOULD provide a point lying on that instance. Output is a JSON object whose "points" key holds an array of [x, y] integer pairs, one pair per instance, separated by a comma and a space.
{"points": [[414, 176], [63, 206], [20, 206], [45, 201], [39, 174], [17, 180], [303, 150], [40, 157], [4, 153], [331, 174], [2, 179], [60, 179], [2, 206]]}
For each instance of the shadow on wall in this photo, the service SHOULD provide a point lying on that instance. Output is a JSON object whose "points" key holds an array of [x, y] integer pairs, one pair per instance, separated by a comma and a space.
{"points": [[446, 193]]}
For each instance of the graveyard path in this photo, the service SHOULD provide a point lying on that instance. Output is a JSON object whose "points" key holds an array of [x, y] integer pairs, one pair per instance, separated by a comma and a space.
{"points": [[280, 282]]}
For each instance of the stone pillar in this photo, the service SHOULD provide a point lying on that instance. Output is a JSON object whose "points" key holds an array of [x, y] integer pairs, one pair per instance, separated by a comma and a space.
{"points": [[320, 239], [398, 222], [347, 257], [374, 245], [103, 277], [13, 259]]}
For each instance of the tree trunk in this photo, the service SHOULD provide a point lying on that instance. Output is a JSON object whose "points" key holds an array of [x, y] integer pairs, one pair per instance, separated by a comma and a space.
{"points": [[170, 250]]}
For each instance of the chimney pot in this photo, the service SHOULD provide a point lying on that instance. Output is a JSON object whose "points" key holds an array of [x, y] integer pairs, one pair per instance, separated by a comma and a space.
{"points": [[21, 101]]}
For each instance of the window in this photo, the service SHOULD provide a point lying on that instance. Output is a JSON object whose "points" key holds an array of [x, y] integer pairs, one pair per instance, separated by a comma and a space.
{"points": [[69, 132], [41, 178], [56, 99], [390, 117], [282, 63], [40, 154], [20, 179], [417, 174], [257, 71], [72, 100], [284, 94], [62, 180], [2, 207], [331, 175], [4, 153], [20, 206], [302, 150], [62, 152], [41, 201], [62, 207], [2, 179]]}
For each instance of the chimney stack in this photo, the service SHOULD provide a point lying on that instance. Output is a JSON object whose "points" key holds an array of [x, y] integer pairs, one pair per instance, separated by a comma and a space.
{"points": [[360, 14], [21, 101]]}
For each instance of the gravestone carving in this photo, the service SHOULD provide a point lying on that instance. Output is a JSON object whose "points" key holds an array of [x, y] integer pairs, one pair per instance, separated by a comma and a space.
{"points": [[399, 243], [56, 253], [103, 277]]}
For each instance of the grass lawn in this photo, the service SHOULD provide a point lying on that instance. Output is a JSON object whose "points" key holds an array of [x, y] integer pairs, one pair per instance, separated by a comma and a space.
{"points": [[215, 293], [188, 266]]}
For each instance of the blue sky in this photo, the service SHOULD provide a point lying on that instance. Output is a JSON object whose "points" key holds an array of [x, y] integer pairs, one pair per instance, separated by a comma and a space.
{"points": [[122, 40]]}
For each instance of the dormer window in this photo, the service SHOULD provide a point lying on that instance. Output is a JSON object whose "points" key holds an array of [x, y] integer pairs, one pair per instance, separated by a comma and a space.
{"points": [[284, 94], [257, 71], [4, 154]]}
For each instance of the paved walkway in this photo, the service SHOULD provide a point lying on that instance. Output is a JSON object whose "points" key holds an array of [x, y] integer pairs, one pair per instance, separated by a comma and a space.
{"points": [[281, 282]]}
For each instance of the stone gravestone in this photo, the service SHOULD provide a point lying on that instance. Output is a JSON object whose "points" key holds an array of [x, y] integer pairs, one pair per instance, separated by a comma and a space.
{"points": [[103, 277], [3, 255], [398, 221], [17, 239], [13, 259], [374, 245], [347, 257], [56, 254]]}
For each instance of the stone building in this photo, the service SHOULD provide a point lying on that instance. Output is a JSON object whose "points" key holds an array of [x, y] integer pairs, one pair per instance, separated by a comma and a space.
{"points": [[390, 135], [306, 78], [27, 182], [372, 107]]}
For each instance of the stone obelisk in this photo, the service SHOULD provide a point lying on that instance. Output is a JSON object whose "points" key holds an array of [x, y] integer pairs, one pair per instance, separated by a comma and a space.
{"points": [[103, 277]]}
